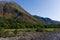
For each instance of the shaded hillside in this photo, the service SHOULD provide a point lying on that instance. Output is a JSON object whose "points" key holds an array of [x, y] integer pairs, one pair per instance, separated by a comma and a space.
{"points": [[16, 23], [47, 20], [10, 10]]}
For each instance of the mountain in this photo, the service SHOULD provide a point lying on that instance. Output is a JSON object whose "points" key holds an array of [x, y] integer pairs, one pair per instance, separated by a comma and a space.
{"points": [[11, 10], [46, 20]]}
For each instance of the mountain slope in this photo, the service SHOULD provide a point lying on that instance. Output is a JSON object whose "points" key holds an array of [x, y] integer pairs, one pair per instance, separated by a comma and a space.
{"points": [[11, 10], [47, 20]]}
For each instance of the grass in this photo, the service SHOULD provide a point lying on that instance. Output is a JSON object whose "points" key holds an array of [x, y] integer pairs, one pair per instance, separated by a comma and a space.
{"points": [[15, 32], [25, 29], [31, 29], [51, 29]]}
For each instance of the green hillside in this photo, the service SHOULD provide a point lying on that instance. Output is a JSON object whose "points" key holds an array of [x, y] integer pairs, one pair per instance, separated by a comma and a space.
{"points": [[13, 15], [13, 10]]}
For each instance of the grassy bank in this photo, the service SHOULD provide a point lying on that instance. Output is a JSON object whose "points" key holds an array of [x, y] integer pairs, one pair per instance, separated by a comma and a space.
{"points": [[16, 32]]}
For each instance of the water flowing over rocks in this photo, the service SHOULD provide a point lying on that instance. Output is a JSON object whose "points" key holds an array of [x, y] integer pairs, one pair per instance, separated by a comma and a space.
{"points": [[35, 36]]}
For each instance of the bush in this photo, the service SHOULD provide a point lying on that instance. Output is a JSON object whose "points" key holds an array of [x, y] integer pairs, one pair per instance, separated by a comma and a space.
{"points": [[39, 30], [1, 31], [5, 34], [15, 32]]}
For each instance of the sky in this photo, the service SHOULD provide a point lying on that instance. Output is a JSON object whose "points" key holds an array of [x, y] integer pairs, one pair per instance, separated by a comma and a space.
{"points": [[43, 8]]}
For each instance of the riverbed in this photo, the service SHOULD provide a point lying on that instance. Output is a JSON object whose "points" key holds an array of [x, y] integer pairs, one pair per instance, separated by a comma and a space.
{"points": [[35, 36]]}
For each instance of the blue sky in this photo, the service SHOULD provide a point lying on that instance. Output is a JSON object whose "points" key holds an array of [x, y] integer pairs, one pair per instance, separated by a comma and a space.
{"points": [[44, 8]]}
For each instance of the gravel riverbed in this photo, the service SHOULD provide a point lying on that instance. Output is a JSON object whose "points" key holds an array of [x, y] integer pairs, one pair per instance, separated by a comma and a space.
{"points": [[35, 36]]}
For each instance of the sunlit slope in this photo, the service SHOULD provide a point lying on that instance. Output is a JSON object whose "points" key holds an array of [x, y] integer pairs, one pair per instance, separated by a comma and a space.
{"points": [[10, 10]]}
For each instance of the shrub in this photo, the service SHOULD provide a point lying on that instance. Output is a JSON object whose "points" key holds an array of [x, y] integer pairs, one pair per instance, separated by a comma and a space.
{"points": [[39, 30], [15, 32], [1, 31], [5, 34]]}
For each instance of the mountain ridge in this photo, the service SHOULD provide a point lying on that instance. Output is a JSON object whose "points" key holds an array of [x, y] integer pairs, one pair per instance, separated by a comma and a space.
{"points": [[46, 20]]}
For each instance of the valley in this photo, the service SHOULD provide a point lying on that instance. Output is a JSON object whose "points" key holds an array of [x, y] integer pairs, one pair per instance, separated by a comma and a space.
{"points": [[18, 24]]}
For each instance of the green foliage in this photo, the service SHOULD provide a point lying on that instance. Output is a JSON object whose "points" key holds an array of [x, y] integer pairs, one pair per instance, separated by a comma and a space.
{"points": [[15, 24], [5, 34], [39, 29], [18, 24], [1, 31], [15, 32], [52, 26]]}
